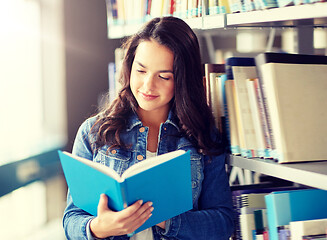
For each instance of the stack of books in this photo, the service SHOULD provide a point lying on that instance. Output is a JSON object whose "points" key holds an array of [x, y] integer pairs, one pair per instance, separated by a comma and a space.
{"points": [[278, 213], [275, 106]]}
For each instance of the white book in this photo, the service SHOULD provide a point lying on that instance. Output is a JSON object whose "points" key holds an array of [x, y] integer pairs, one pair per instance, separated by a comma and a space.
{"points": [[241, 74], [232, 118], [216, 98], [256, 111], [253, 200], [296, 99], [247, 226], [156, 8], [309, 227]]}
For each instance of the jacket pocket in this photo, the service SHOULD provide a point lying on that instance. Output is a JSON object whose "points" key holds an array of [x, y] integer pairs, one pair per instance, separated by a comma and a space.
{"points": [[116, 159]]}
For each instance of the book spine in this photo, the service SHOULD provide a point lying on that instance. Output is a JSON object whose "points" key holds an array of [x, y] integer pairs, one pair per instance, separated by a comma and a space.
{"points": [[263, 119], [232, 118], [241, 74], [273, 109], [257, 120], [263, 92]]}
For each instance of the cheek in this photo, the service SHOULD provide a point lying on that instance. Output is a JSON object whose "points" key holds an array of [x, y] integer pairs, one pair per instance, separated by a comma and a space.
{"points": [[170, 90], [133, 84]]}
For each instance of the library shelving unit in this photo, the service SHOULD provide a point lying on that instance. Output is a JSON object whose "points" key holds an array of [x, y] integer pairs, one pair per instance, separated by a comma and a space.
{"points": [[303, 18]]}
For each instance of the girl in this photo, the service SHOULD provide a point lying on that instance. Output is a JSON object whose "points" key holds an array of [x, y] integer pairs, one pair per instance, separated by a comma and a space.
{"points": [[161, 108]]}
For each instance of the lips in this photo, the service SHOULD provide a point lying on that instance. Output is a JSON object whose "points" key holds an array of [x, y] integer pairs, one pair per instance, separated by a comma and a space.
{"points": [[148, 97]]}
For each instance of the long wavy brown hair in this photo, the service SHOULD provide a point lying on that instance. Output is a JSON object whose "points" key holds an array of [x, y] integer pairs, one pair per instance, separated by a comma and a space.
{"points": [[189, 103]]}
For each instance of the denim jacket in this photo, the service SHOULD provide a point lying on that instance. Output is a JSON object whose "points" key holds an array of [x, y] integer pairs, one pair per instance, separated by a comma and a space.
{"points": [[212, 214]]}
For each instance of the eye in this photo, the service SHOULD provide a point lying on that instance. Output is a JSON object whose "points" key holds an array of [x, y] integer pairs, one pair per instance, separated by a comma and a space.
{"points": [[164, 78], [140, 71]]}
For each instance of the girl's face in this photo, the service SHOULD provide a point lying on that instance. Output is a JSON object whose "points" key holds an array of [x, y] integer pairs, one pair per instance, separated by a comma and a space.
{"points": [[152, 78]]}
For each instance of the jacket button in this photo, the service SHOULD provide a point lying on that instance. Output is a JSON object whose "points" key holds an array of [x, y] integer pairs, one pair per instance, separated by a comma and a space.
{"points": [[142, 129], [113, 151], [139, 157]]}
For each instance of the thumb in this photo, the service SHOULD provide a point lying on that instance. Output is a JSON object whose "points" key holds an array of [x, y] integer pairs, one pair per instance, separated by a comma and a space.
{"points": [[103, 203]]}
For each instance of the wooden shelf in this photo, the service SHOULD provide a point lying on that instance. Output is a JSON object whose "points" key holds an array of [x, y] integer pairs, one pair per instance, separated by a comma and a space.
{"points": [[313, 174]]}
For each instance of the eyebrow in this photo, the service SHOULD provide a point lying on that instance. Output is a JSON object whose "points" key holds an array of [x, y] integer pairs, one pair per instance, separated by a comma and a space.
{"points": [[169, 71]]}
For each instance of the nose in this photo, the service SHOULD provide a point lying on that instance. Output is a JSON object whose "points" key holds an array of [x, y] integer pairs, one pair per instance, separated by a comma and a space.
{"points": [[149, 82]]}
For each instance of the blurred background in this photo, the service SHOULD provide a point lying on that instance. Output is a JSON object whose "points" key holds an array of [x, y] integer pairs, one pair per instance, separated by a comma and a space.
{"points": [[54, 57]]}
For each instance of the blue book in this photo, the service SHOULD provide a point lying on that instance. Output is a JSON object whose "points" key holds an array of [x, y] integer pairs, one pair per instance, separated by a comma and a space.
{"points": [[297, 205], [164, 180]]}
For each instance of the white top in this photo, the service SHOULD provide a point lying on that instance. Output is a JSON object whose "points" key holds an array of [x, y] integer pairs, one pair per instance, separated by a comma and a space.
{"points": [[147, 233]]}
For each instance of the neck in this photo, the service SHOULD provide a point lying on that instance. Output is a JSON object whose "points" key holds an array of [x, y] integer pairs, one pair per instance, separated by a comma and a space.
{"points": [[152, 118]]}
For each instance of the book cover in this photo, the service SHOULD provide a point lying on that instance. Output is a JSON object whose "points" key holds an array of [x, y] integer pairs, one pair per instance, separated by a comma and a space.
{"points": [[295, 100], [164, 180], [297, 205]]}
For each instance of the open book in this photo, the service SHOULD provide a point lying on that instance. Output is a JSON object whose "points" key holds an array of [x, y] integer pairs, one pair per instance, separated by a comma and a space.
{"points": [[164, 180]]}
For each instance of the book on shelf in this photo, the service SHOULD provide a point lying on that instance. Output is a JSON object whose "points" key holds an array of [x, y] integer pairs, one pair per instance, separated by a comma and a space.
{"points": [[250, 205], [237, 138], [259, 118], [112, 12], [223, 6], [299, 229], [248, 201], [233, 131], [297, 205], [294, 88], [214, 70], [214, 7], [146, 180], [315, 237], [240, 70], [241, 75], [216, 101]]}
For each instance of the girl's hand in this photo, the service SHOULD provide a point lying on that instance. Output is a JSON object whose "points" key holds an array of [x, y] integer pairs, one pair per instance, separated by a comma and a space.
{"points": [[110, 223]]}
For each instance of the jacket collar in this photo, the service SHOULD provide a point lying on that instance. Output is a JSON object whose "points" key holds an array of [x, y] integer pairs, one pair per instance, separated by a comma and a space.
{"points": [[134, 121]]}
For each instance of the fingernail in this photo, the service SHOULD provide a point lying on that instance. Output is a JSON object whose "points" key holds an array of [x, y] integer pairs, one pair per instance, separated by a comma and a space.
{"points": [[151, 209], [150, 204], [140, 202]]}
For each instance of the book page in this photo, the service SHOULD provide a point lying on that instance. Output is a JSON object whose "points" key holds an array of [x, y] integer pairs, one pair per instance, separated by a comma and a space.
{"points": [[100, 167], [150, 162]]}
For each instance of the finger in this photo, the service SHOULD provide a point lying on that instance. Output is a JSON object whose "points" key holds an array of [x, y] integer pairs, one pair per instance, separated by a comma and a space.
{"points": [[129, 211], [141, 219], [142, 213], [103, 204]]}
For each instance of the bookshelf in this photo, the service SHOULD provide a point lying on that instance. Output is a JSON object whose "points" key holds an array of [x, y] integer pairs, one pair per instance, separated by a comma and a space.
{"points": [[307, 17], [279, 17], [310, 15], [313, 174]]}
